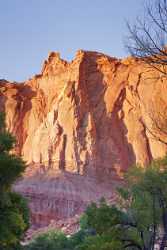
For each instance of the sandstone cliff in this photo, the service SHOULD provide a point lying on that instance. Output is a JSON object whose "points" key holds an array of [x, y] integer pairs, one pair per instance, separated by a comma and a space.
{"points": [[80, 125]]}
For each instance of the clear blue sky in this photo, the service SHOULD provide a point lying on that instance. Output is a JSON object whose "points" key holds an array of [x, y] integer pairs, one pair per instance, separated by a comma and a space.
{"points": [[29, 29]]}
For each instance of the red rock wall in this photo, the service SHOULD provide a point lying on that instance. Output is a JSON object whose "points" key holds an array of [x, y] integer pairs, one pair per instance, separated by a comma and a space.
{"points": [[94, 116]]}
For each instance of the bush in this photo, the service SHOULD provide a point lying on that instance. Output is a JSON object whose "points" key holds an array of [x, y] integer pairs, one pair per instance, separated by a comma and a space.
{"points": [[52, 240]]}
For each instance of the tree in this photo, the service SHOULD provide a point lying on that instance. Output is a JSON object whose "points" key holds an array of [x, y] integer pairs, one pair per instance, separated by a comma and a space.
{"points": [[52, 240], [147, 38], [112, 227], [102, 217], [148, 207], [100, 242], [139, 220], [14, 213]]}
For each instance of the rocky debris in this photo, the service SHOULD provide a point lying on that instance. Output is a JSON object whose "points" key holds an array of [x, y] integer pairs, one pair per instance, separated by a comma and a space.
{"points": [[68, 226]]}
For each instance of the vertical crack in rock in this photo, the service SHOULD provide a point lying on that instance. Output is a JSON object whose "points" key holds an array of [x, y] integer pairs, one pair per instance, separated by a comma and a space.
{"points": [[150, 158], [62, 160]]}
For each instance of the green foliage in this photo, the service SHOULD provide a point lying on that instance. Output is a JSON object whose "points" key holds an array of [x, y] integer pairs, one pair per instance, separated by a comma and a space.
{"points": [[78, 238], [142, 210], [14, 214], [106, 221], [102, 217], [147, 191], [100, 242], [51, 240], [54, 240], [2, 121], [11, 168], [6, 139], [84, 221]]}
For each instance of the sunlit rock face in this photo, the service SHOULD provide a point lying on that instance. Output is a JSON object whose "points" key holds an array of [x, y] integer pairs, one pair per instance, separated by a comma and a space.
{"points": [[80, 125]]}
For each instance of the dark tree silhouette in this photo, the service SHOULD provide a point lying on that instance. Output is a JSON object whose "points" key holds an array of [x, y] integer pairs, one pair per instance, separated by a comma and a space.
{"points": [[147, 38]]}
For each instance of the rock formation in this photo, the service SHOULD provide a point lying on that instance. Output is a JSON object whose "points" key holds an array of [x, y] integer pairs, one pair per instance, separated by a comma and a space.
{"points": [[79, 125]]}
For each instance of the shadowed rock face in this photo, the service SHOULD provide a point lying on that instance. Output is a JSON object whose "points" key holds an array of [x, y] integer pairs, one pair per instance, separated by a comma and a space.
{"points": [[92, 117]]}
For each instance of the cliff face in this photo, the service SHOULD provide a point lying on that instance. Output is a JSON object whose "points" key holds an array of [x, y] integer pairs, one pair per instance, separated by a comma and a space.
{"points": [[92, 117]]}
